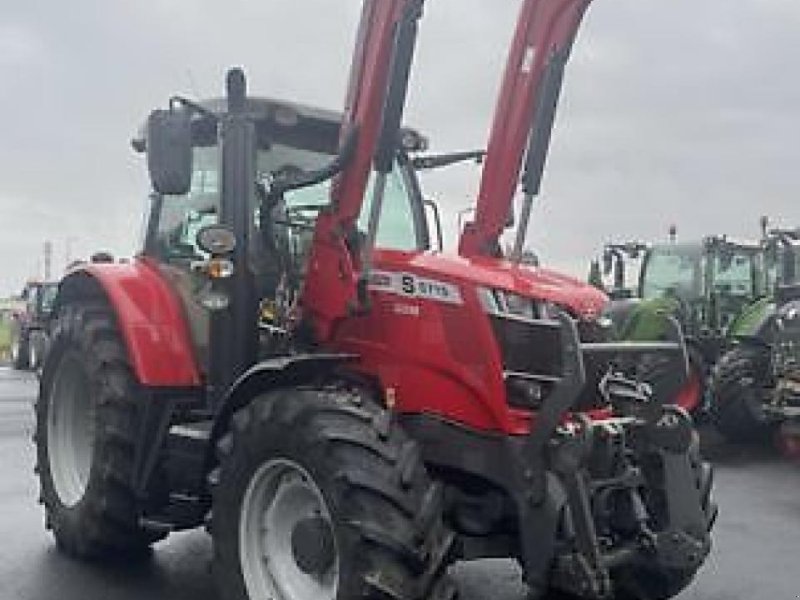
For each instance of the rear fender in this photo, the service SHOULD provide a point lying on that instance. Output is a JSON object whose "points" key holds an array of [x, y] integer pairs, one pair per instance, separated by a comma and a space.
{"points": [[149, 315]]}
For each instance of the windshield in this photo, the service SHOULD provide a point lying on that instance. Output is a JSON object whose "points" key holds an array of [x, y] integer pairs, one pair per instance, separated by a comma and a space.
{"points": [[49, 293], [734, 273], [181, 217], [672, 271], [396, 229]]}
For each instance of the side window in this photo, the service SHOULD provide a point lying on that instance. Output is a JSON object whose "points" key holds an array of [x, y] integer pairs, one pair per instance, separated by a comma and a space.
{"points": [[182, 217]]}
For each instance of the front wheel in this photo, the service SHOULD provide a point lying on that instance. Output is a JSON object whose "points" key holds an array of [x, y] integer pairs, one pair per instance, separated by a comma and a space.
{"points": [[320, 496], [646, 583], [738, 386]]}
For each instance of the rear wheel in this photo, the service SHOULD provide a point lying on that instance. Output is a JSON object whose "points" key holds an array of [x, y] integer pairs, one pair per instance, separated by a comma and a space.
{"points": [[738, 386], [320, 496], [86, 416]]}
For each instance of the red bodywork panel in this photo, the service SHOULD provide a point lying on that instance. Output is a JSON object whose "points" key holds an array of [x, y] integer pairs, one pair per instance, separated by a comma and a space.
{"points": [[151, 319], [437, 353], [544, 27]]}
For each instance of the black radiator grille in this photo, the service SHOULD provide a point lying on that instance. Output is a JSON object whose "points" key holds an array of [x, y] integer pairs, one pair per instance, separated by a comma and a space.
{"points": [[532, 348]]}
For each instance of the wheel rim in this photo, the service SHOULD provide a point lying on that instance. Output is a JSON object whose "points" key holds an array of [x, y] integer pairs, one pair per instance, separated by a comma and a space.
{"points": [[70, 431], [280, 498]]}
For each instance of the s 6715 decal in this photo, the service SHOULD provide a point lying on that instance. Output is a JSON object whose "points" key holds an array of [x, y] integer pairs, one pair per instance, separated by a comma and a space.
{"points": [[412, 286]]}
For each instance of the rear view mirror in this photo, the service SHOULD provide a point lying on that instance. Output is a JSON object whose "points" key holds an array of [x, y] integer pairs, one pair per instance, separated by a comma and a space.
{"points": [[169, 151]]}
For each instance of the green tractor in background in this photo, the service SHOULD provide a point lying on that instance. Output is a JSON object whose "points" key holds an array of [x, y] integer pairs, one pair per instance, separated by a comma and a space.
{"points": [[709, 287], [756, 383]]}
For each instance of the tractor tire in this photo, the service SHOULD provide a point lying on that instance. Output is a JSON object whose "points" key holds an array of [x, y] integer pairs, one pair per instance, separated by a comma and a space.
{"points": [[736, 409], [319, 495], [86, 419], [35, 350], [19, 354], [650, 582], [644, 583]]}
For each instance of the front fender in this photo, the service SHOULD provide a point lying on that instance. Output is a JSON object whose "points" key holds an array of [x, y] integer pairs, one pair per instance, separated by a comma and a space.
{"points": [[642, 320], [755, 321], [149, 315], [268, 375]]}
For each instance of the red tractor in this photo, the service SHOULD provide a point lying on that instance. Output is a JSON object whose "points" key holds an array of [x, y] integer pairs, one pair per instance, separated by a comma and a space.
{"points": [[29, 329], [347, 411]]}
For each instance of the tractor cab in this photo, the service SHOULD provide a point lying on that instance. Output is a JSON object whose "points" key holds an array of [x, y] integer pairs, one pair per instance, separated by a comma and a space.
{"points": [[248, 171], [711, 282], [39, 297]]}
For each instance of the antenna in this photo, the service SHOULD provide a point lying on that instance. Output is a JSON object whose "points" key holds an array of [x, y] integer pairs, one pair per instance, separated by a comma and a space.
{"points": [[48, 259]]}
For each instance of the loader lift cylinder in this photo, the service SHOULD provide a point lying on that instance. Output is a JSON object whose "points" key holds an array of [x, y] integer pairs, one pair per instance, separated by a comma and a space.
{"points": [[539, 142], [392, 117]]}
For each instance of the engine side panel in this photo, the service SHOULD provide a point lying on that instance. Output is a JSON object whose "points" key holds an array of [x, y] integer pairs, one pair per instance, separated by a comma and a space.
{"points": [[430, 344]]}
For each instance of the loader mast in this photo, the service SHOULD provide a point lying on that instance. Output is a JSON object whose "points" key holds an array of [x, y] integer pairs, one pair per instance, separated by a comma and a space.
{"points": [[339, 266], [523, 121]]}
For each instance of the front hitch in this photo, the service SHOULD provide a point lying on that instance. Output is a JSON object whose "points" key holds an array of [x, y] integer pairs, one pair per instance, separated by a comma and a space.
{"points": [[588, 491]]}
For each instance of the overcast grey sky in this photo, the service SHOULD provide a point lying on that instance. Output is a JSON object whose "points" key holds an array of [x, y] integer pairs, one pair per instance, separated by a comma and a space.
{"points": [[674, 111]]}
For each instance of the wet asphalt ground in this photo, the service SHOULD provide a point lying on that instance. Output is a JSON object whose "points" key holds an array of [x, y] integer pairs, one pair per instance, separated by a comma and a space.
{"points": [[756, 553]]}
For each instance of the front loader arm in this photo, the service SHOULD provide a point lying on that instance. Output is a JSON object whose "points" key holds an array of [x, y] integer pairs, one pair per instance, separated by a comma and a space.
{"points": [[523, 117], [338, 268]]}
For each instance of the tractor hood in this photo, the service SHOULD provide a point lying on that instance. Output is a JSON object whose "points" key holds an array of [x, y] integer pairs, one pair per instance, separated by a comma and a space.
{"points": [[580, 298]]}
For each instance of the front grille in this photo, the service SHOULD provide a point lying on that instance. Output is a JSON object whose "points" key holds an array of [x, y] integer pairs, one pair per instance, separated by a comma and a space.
{"points": [[531, 351], [596, 366], [528, 346]]}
